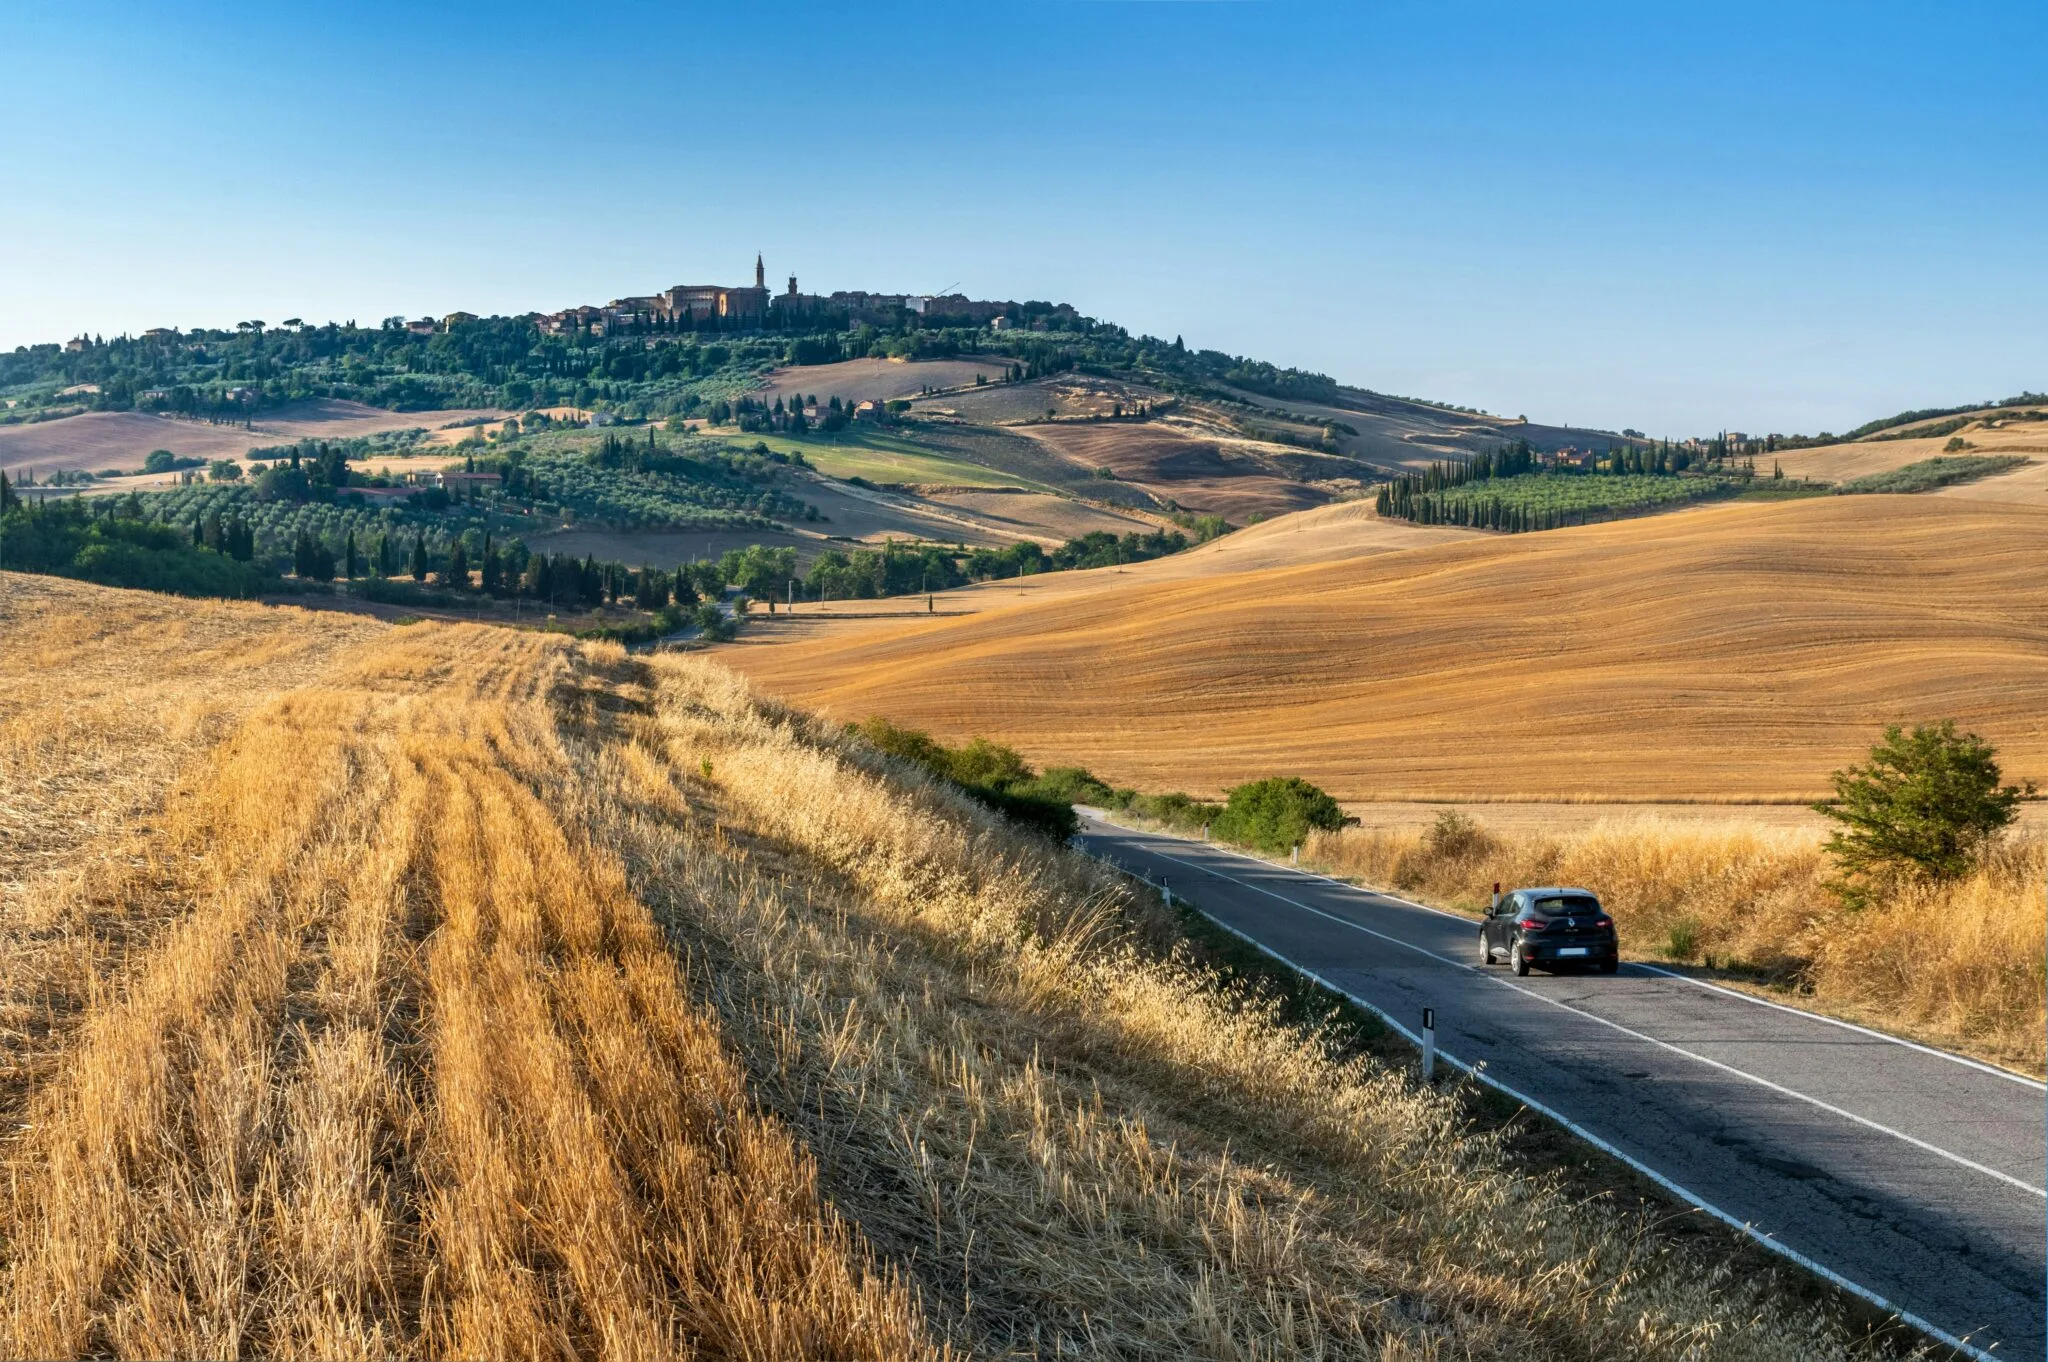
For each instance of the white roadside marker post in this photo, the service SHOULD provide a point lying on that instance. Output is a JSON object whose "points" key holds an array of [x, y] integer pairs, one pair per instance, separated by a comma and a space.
{"points": [[1429, 1045], [1294, 856]]}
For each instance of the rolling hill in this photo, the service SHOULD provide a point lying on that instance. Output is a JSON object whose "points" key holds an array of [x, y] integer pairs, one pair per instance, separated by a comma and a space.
{"points": [[97, 440], [460, 991], [2019, 432], [1737, 652]]}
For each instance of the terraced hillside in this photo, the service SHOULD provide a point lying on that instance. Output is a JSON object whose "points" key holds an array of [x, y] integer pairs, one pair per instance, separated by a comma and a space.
{"points": [[477, 993], [1732, 652]]}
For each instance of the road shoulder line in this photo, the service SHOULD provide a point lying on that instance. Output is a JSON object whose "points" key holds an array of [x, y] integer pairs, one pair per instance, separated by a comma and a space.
{"points": [[1935, 1149], [1478, 1072], [1933, 1050]]}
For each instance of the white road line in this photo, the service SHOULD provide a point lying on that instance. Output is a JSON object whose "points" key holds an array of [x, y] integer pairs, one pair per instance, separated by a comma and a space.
{"points": [[2034, 1083], [1736, 993], [1829, 1107], [1478, 1071]]}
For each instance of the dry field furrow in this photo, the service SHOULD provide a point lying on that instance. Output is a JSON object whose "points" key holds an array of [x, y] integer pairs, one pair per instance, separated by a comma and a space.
{"points": [[1730, 652], [101, 708], [413, 1072], [505, 996]]}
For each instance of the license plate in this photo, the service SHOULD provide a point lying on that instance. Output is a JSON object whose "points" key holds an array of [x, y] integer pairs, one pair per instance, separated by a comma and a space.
{"points": [[1572, 950]]}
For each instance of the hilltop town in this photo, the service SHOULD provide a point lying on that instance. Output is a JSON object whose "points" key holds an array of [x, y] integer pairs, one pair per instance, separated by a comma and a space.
{"points": [[697, 307]]}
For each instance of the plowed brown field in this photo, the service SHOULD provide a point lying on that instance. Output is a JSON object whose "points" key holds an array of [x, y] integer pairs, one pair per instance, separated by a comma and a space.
{"points": [[1214, 477], [1737, 652]]}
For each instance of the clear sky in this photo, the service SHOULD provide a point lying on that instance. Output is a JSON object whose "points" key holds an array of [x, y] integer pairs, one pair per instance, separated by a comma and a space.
{"points": [[1678, 218]]}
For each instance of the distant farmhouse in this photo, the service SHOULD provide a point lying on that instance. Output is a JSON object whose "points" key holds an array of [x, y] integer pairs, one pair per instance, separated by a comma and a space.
{"points": [[749, 307]]}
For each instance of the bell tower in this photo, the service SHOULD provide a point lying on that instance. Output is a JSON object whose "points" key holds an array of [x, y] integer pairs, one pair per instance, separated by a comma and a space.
{"points": [[760, 273]]}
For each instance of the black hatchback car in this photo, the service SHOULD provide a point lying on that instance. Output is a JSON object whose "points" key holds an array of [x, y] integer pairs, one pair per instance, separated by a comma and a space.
{"points": [[1551, 928]]}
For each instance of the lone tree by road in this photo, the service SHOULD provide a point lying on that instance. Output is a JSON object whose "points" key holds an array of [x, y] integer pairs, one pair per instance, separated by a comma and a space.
{"points": [[1277, 813], [1927, 803]]}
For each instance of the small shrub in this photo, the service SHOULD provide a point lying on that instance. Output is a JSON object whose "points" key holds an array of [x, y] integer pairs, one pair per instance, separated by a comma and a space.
{"points": [[993, 774], [1456, 836], [1277, 813], [1075, 785], [1682, 942]]}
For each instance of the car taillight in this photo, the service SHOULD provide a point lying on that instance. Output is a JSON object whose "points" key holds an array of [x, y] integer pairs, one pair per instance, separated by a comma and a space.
{"points": [[1530, 924], [1603, 922]]}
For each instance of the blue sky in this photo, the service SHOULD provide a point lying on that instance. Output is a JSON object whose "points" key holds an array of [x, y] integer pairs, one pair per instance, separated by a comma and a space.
{"points": [[1760, 217]]}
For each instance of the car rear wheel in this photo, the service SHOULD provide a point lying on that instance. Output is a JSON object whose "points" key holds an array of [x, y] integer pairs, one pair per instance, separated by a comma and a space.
{"points": [[1518, 961], [1609, 966]]}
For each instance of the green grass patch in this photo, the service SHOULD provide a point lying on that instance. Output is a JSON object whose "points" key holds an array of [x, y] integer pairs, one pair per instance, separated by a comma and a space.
{"points": [[1939, 471], [884, 456]]}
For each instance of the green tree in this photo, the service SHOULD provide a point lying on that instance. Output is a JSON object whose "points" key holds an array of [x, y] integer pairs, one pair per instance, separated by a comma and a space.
{"points": [[456, 574], [1927, 803], [1277, 813], [419, 556]]}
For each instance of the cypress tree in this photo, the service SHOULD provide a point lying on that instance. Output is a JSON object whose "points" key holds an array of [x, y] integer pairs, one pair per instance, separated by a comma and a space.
{"points": [[456, 574], [419, 556]]}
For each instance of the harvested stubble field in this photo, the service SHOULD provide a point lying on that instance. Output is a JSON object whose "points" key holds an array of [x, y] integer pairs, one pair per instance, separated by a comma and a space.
{"points": [[1730, 653], [122, 439], [1063, 395], [484, 994], [1201, 474], [860, 380]]}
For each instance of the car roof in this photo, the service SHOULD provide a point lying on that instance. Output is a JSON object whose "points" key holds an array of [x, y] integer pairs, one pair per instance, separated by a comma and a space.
{"points": [[1557, 889]]}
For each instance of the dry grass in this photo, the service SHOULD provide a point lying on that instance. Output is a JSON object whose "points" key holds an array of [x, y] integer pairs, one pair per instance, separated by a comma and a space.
{"points": [[104, 707], [488, 995], [1963, 965], [1077, 1145], [1730, 652], [412, 1072]]}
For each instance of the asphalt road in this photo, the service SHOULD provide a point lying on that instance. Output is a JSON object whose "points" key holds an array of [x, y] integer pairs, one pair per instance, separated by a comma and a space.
{"points": [[1913, 1174]]}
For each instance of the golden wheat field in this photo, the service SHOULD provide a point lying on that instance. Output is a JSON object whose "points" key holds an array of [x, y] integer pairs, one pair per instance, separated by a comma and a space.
{"points": [[473, 993], [1731, 653]]}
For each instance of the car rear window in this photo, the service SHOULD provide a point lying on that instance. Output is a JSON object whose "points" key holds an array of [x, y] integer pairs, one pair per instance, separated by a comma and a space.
{"points": [[1565, 904]]}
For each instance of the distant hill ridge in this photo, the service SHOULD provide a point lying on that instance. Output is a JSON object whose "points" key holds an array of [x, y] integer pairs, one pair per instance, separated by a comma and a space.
{"points": [[669, 358]]}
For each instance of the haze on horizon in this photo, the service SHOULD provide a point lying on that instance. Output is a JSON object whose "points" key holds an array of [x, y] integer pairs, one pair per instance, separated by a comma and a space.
{"points": [[1767, 218]]}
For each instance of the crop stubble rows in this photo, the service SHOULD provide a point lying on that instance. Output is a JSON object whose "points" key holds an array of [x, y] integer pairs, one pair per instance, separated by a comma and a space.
{"points": [[497, 996]]}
